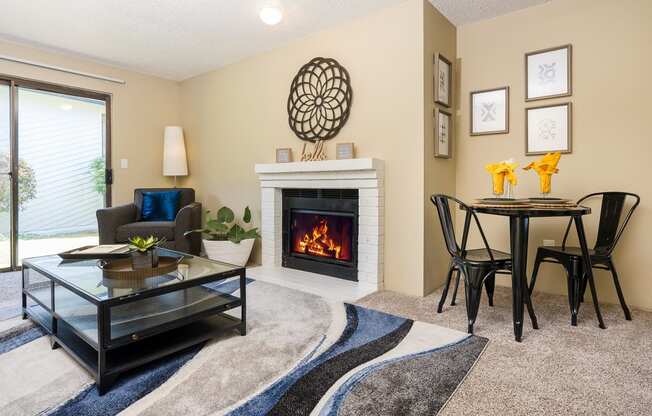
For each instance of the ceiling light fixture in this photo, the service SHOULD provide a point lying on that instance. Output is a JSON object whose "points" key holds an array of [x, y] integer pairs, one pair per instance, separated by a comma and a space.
{"points": [[271, 15]]}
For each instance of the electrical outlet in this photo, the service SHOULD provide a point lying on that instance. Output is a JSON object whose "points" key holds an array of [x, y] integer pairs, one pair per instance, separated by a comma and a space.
{"points": [[124, 163], [548, 243]]}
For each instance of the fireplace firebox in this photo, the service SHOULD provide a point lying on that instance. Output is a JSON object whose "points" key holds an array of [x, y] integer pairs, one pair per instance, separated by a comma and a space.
{"points": [[320, 231]]}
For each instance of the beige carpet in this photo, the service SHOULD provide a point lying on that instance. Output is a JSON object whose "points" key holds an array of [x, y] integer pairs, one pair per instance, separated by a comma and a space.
{"points": [[556, 370]]}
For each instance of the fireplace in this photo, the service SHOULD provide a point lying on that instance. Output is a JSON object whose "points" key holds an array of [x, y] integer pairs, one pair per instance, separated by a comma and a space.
{"points": [[320, 231]]}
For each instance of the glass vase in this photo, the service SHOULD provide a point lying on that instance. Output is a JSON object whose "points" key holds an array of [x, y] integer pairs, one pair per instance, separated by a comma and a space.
{"points": [[502, 188], [545, 185], [509, 190]]}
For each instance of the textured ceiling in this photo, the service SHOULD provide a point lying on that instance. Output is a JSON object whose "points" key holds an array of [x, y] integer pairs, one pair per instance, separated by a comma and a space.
{"points": [[461, 12], [178, 39]]}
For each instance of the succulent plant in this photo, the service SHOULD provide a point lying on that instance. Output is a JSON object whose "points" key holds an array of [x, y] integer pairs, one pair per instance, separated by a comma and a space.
{"points": [[145, 244]]}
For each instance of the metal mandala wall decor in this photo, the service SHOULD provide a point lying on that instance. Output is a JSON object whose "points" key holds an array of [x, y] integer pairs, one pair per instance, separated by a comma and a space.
{"points": [[320, 100]]}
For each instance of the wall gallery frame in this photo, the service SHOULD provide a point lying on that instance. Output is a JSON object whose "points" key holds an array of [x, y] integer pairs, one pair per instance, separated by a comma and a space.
{"points": [[442, 80], [548, 128], [489, 111], [548, 73], [443, 126]]}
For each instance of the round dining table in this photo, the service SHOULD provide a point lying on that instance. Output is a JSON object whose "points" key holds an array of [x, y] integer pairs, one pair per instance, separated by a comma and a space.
{"points": [[519, 222]]}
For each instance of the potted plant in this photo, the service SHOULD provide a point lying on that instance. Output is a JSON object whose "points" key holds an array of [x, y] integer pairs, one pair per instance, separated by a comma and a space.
{"points": [[144, 253], [225, 239]]}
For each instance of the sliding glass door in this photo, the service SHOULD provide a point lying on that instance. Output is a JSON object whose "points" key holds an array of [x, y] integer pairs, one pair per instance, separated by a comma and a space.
{"points": [[58, 164], [5, 178]]}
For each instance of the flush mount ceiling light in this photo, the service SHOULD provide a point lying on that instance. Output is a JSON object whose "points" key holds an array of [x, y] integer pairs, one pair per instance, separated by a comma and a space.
{"points": [[271, 15]]}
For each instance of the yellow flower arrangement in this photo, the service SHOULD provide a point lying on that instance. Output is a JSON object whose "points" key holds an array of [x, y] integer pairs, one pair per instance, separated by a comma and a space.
{"points": [[501, 171], [545, 168]]}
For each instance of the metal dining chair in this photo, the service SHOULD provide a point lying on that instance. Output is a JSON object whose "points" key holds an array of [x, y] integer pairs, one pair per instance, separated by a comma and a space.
{"points": [[478, 266], [610, 229]]}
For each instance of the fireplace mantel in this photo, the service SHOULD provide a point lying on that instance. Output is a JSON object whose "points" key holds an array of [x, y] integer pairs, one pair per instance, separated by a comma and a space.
{"points": [[365, 174], [345, 165]]}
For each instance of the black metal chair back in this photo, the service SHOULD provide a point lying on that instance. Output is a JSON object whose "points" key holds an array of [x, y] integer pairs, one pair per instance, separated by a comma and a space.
{"points": [[610, 227], [442, 204]]}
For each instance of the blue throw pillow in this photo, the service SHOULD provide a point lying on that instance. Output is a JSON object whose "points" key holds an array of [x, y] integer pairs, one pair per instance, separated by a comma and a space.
{"points": [[160, 206]]}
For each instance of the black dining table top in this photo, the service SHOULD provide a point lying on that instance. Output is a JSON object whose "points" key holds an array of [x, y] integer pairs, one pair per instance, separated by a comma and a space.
{"points": [[531, 211]]}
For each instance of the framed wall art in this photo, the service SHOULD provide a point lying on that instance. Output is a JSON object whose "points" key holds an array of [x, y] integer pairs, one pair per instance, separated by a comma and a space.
{"points": [[442, 82], [490, 111], [548, 129], [548, 73], [443, 122]]}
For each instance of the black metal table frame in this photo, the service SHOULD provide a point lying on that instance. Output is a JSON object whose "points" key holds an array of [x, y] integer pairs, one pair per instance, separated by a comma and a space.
{"points": [[519, 223], [104, 377]]}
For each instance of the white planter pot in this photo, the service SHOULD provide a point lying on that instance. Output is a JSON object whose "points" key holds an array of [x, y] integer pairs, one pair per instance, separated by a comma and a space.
{"points": [[228, 252]]}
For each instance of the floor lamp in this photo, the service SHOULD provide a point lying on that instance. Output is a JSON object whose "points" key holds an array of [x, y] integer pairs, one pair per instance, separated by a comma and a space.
{"points": [[174, 153]]}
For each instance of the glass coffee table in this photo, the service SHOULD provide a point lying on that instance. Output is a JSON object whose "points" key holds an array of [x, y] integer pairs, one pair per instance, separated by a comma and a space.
{"points": [[113, 325]]}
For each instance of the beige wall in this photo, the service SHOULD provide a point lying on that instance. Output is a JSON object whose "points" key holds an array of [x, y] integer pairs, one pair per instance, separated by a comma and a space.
{"points": [[612, 146], [140, 110], [439, 174], [236, 117]]}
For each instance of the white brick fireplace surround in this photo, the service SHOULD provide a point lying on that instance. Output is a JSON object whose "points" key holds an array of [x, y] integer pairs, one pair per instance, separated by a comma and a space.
{"points": [[366, 175]]}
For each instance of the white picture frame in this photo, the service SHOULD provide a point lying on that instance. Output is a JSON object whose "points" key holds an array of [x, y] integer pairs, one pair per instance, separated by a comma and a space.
{"points": [[344, 151], [548, 128], [489, 111], [443, 134], [283, 155], [548, 73], [442, 80]]}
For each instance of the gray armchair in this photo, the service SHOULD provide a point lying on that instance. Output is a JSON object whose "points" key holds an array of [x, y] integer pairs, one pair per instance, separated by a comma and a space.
{"points": [[118, 224]]}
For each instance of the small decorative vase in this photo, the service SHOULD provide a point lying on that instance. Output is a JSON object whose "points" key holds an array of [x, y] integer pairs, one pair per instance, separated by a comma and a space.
{"points": [[545, 184], [509, 191], [146, 260], [502, 188], [498, 184]]}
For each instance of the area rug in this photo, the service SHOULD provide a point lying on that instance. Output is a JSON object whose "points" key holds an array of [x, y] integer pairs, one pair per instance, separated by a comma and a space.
{"points": [[303, 355]]}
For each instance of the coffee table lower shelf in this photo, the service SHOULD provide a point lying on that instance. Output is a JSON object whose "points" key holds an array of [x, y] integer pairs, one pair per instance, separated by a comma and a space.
{"points": [[122, 359]]}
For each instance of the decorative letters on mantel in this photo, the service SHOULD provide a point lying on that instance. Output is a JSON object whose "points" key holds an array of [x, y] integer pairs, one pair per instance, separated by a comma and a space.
{"points": [[317, 153]]}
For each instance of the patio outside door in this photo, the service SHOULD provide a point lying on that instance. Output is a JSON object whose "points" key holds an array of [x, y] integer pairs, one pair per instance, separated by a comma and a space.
{"points": [[56, 152]]}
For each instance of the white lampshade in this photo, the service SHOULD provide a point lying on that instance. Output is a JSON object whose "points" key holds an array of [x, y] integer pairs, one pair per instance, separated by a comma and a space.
{"points": [[174, 152]]}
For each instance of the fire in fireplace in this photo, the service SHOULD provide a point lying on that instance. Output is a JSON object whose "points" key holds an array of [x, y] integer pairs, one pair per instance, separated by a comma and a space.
{"points": [[320, 231], [322, 235]]}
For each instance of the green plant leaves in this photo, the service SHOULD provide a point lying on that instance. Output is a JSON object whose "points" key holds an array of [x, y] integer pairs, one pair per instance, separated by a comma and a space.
{"points": [[220, 228], [225, 214], [144, 244], [235, 234], [253, 233], [216, 226], [247, 215]]}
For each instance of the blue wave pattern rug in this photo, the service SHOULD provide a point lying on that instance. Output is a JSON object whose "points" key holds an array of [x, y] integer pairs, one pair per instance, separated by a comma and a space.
{"points": [[303, 355]]}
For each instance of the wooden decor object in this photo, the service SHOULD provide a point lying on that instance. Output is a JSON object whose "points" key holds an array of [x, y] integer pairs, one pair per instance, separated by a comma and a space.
{"points": [[344, 151], [320, 100], [283, 155], [123, 268], [318, 152]]}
